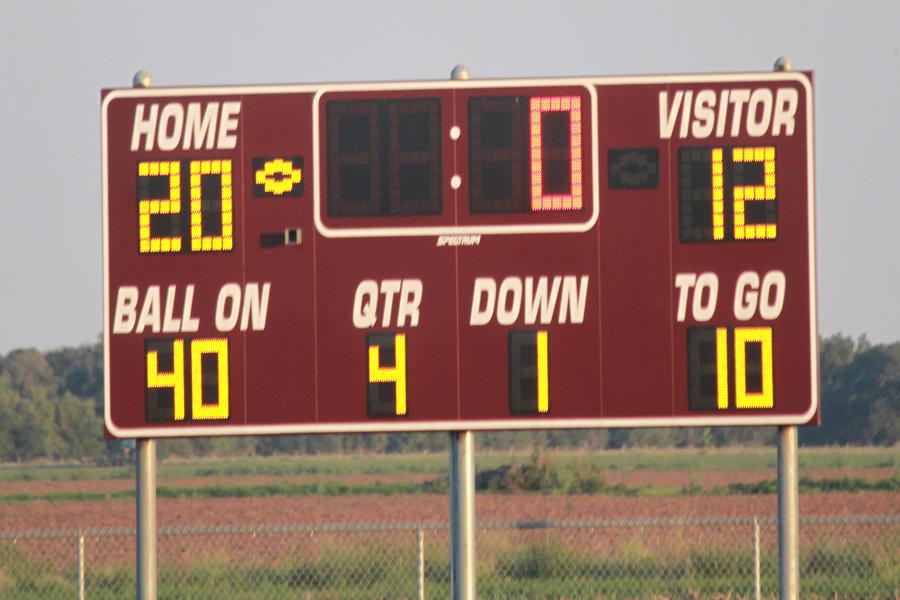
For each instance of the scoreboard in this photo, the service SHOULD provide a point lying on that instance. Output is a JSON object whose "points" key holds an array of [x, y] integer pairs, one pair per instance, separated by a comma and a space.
{"points": [[482, 254]]}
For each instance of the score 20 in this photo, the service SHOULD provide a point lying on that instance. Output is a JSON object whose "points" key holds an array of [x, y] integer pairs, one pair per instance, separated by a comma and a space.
{"points": [[752, 294]]}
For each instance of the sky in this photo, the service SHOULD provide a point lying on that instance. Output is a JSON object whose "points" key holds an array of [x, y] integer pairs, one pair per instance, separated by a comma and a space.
{"points": [[55, 57]]}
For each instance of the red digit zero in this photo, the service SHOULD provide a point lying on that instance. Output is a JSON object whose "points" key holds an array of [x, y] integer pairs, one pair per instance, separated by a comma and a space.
{"points": [[596, 252]]}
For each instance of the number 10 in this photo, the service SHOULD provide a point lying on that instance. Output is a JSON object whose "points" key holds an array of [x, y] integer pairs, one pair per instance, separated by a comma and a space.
{"points": [[712, 367]]}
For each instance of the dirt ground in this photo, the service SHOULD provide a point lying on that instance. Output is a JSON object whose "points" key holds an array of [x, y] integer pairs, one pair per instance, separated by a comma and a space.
{"points": [[8, 488], [424, 508]]}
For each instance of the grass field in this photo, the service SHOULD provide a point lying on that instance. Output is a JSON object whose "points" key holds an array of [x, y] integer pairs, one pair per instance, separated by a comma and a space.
{"points": [[662, 561], [622, 473], [544, 568], [368, 464]]}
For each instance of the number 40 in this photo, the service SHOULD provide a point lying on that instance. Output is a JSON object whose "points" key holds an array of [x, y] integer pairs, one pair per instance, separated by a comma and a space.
{"points": [[175, 379]]}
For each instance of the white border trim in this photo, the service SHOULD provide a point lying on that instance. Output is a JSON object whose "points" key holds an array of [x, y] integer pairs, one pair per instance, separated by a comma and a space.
{"points": [[357, 232], [537, 423], [104, 174]]}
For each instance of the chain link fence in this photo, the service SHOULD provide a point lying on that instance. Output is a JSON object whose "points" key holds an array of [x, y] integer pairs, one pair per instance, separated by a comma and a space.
{"points": [[841, 557]]}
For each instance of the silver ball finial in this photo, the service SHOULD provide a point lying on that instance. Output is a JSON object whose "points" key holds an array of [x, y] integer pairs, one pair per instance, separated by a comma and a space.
{"points": [[460, 72], [142, 79], [784, 64]]}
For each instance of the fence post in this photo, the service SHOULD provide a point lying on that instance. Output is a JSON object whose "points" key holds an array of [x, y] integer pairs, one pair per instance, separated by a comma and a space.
{"points": [[420, 564], [80, 565], [757, 593]]}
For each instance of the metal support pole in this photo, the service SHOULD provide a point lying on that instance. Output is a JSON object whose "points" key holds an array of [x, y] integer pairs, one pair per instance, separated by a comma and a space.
{"points": [[420, 564], [462, 490], [788, 515], [146, 519], [462, 515], [788, 489], [145, 480], [80, 566], [757, 591]]}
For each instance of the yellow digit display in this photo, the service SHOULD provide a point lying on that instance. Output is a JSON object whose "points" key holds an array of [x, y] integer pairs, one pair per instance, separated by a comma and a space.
{"points": [[199, 408], [719, 355], [148, 207], [225, 240], [529, 372], [715, 185], [762, 336], [747, 193], [167, 396], [721, 368], [543, 386], [396, 374], [173, 379], [718, 195], [160, 217]]}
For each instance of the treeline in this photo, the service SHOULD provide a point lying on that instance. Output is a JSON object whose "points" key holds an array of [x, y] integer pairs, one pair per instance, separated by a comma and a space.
{"points": [[51, 407]]}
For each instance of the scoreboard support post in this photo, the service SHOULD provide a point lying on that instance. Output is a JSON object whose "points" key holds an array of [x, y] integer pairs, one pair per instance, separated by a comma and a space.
{"points": [[146, 519], [145, 483], [462, 515], [788, 515], [788, 488], [462, 492]]}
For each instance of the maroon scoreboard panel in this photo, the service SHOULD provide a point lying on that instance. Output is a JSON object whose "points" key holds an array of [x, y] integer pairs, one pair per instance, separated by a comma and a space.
{"points": [[592, 252]]}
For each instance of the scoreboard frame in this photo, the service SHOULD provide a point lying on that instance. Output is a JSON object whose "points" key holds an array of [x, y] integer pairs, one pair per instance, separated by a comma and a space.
{"points": [[809, 413]]}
